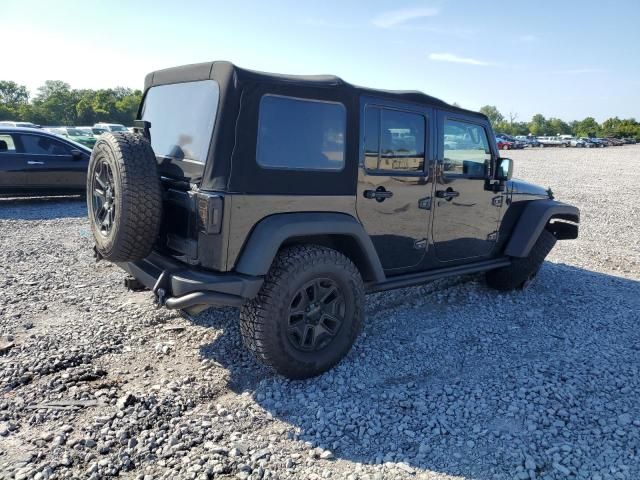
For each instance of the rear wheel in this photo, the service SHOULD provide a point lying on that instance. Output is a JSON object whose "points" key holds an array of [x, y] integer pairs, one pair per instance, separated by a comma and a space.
{"points": [[308, 313], [522, 271]]}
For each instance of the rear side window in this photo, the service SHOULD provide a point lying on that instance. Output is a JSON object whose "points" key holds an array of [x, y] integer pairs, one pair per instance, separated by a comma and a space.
{"points": [[182, 117], [300, 134], [41, 145], [6, 144], [394, 140]]}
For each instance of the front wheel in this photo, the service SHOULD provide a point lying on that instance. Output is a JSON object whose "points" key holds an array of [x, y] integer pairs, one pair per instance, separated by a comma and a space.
{"points": [[522, 271], [308, 312]]}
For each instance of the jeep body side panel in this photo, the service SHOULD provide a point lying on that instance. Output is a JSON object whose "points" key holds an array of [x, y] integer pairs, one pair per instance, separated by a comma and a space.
{"points": [[244, 212], [533, 219], [271, 233]]}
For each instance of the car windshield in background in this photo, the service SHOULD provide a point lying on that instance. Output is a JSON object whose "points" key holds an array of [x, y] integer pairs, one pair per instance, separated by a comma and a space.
{"points": [[117, 128], [182, 117], [75, 132]]}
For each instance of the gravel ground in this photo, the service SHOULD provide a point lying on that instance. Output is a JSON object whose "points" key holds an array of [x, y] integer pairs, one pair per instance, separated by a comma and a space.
{"points": [[448, 381]]}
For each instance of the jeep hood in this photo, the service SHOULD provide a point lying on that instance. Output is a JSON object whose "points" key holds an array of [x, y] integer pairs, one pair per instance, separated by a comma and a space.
{"points": [[520, 187]]}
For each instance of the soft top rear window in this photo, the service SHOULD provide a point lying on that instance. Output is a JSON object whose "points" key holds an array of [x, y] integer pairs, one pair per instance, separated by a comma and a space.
{"points": [[182, 117]]}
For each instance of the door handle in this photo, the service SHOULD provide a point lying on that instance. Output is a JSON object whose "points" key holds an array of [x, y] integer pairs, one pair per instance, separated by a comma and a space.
{"points": [[33, 162], [447, 194], [380, 194]]}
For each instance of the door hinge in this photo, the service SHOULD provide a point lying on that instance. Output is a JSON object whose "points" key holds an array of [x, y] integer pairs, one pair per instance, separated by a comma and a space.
{"points": [[420, 244], [497, 201], [424, 203]]}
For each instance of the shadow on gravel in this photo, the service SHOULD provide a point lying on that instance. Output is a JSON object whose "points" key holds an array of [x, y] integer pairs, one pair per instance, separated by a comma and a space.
{"points": [[42, 208], [470, 382]]}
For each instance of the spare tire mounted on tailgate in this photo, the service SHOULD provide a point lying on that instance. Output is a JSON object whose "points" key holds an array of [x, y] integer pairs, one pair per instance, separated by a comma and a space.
{"points": [[124, 196]]}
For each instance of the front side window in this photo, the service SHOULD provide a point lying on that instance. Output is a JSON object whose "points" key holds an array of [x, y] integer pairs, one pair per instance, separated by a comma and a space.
{"points": [[182, 117], [300, 134], [6, 144], [394, 140], [40, 145], [466, 149]]}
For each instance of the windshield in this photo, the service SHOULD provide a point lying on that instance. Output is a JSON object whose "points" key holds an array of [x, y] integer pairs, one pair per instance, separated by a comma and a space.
{"points": [[118, 128], [75, 132], [182, 116]]}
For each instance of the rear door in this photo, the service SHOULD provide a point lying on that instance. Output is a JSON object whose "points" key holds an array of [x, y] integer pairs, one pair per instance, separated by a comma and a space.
{"points": [[466, 213], [392, 181], [51, 164], [13, 166]]}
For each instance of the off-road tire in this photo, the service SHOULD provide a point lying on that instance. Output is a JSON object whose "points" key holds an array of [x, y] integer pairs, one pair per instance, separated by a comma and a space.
{"points": [[137, 196], [263, 320], [522, 270]]}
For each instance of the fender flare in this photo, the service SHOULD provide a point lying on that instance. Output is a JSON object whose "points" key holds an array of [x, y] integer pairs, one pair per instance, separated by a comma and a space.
{"points": [[533, 220], [270, 233]]}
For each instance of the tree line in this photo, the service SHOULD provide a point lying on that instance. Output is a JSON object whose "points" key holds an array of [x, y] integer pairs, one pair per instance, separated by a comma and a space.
{"points": [[541, 126], [56, 103]]}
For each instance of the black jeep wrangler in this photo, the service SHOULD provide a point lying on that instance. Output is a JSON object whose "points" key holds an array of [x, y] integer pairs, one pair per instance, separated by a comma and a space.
{"points": [[292, 197]]}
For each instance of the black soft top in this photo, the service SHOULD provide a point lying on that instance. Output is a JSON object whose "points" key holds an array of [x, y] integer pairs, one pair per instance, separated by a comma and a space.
{"points": [[235, 132], [223, 70]]}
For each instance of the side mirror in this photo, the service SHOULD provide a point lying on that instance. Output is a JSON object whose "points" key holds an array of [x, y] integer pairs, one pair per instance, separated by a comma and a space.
{"points": [[76, 154], [504, 169]]}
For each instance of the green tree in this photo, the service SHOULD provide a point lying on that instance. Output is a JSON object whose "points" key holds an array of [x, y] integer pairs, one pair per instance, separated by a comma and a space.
{"points": [[587, 128], [556, 126], [538, 125], [492, 112], [55, 104], [13, 95]]}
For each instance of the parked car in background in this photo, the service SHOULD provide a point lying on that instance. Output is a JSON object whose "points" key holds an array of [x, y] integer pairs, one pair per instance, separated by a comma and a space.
{"points": [[504, 144], [616, 142], [86, 131], [605, 142], [588, 143], [529, 141], [111, 127], [554, 141], [33, 161], [573, 141], [77, 135], [515, 143], [598, 142], [629, 141], [9, 123]]}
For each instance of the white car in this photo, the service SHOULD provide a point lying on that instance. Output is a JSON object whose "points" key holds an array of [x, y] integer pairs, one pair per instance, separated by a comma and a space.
{"points": [[553, 142], [8, 123], [111, 127]]}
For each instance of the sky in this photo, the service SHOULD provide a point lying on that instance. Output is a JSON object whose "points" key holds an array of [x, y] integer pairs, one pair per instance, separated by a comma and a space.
{"points": [[568, 59]]}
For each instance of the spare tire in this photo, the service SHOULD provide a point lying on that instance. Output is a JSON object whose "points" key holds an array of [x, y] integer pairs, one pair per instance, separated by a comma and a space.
{"points": [[124, 196]]}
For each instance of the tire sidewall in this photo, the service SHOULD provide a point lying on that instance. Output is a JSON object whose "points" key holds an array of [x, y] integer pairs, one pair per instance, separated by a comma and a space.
{"points": [[104, 153]]}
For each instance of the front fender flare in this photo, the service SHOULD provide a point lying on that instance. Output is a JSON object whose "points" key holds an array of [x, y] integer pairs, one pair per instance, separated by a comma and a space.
{"points": [[533, 220], [270, 233]]}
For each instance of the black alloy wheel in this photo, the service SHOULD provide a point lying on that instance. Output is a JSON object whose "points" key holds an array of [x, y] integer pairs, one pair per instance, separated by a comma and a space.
{"points": [[316, 314], [103, 198]]}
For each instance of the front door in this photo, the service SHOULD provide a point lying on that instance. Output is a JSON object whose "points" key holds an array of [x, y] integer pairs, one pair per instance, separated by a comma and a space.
{"points": [[466, 213], [392, 181]]}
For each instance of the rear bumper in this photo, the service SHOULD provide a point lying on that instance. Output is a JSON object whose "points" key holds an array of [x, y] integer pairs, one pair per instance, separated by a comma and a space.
{"points": [[178, 286]]}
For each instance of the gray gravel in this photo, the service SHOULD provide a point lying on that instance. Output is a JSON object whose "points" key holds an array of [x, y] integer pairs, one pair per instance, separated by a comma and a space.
{"points": [[450, 380]]}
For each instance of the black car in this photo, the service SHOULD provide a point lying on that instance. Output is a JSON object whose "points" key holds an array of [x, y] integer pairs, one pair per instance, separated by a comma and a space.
{"points": [[291, 197], [33, 161]]}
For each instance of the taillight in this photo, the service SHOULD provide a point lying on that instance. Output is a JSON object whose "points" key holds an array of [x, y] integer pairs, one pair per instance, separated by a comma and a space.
{"points": [[209, 212]]}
